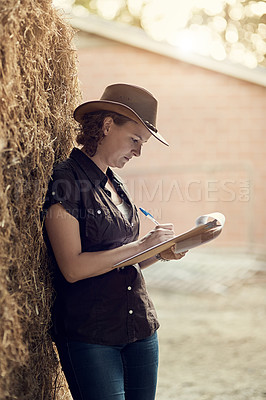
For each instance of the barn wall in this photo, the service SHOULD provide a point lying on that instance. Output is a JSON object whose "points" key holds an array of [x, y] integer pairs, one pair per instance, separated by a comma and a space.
{"points": [[215, 125]]}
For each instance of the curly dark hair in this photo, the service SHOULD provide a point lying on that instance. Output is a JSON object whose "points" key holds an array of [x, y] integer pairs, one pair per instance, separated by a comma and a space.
{"points": [[91, 132]]}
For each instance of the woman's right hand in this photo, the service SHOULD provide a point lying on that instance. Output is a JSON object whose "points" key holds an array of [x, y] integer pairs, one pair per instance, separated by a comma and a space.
{"points": [[159, 234]]}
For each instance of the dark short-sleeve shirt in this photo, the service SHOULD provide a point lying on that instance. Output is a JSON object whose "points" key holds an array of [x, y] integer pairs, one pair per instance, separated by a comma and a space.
{"points": [[112, 308]]}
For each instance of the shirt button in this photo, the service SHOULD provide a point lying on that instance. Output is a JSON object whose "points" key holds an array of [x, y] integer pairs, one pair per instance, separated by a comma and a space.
{"points": [[53, 193], [99, 212], [130, 312], [129, 288], [132, 223]]}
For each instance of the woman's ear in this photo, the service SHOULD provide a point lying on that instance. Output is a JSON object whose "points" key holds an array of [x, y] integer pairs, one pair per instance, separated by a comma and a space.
{"points": [[107, 123]]}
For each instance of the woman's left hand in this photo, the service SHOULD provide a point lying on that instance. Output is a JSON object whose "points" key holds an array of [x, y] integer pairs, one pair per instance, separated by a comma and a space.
{"points": [[170, 254]]}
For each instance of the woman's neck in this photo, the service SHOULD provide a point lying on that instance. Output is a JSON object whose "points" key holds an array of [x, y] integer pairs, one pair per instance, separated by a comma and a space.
{"points": [[97, 160]]}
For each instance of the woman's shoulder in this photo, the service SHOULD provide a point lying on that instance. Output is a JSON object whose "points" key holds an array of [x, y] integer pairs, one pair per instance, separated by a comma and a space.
{"points": [[64, 169], [64, 165], [63, 188]]}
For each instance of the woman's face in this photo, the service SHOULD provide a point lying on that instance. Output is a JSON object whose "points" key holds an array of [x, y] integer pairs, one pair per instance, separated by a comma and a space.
{"points": [[121, 142]]}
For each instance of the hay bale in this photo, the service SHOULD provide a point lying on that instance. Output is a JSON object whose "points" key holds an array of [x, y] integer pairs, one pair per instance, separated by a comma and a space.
{"points": [[38, 92]]}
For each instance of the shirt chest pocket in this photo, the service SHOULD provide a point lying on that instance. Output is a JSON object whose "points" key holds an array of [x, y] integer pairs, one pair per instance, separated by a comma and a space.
{"points": [[101, 226]]}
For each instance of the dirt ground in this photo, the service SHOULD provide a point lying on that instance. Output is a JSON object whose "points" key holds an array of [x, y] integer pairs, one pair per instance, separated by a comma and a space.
{"points": [[213, 347]]}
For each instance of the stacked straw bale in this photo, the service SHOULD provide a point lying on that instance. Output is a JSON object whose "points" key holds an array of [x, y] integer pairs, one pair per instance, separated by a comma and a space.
{"points": [[38, 92]]}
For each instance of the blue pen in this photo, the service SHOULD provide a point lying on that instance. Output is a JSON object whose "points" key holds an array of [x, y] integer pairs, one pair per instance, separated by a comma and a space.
{"points": [[148, 215]]}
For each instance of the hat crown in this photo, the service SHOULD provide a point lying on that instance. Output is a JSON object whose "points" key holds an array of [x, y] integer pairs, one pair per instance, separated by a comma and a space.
{"points": [[138, 99], [131, 101]]}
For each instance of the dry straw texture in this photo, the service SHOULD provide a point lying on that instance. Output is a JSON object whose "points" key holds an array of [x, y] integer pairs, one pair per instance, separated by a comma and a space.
{"points": [[39, 90]]}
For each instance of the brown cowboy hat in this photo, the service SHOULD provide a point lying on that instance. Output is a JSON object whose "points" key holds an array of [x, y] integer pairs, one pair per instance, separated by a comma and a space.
{"points": [[132, 101]]}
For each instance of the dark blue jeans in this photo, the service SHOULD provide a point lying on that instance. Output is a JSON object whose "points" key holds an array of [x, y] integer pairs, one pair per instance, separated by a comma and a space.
{"points": [[97, 372]]}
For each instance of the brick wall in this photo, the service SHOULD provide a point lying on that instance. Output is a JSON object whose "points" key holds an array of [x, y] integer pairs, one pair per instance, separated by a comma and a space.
{"points": [[215, 125]]}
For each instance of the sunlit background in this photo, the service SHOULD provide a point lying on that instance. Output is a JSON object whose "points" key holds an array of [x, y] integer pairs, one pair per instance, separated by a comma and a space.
{"points": [[232, 30], [214, 119]]}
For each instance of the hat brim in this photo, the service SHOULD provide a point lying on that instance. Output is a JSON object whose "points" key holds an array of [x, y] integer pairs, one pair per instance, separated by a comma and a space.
{"points": [[106, 105]]}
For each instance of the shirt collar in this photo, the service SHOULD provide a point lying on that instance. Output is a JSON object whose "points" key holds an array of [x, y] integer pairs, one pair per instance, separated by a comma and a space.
{"points": [[93, 172]]}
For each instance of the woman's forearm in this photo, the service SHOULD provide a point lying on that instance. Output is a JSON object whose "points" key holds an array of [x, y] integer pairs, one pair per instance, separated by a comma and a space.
{"points": [[101, 262], [89, 264]]}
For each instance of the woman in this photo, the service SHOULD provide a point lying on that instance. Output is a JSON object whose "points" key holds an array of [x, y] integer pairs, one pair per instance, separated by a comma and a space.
{"points": [[104, 323]]}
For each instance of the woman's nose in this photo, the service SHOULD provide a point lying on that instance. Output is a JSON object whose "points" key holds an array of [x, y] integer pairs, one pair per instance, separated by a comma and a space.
{"points": [[137, 150]]}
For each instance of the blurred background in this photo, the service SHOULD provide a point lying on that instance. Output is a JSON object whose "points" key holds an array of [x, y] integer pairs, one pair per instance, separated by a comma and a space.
{"points": [[204, 60]]}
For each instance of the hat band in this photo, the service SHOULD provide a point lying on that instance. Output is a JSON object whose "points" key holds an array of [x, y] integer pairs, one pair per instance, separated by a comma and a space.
{"points": [[149, 125]]}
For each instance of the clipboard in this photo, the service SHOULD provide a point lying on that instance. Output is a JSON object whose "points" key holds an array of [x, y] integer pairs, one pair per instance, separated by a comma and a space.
{"points": [[207, 228]]}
